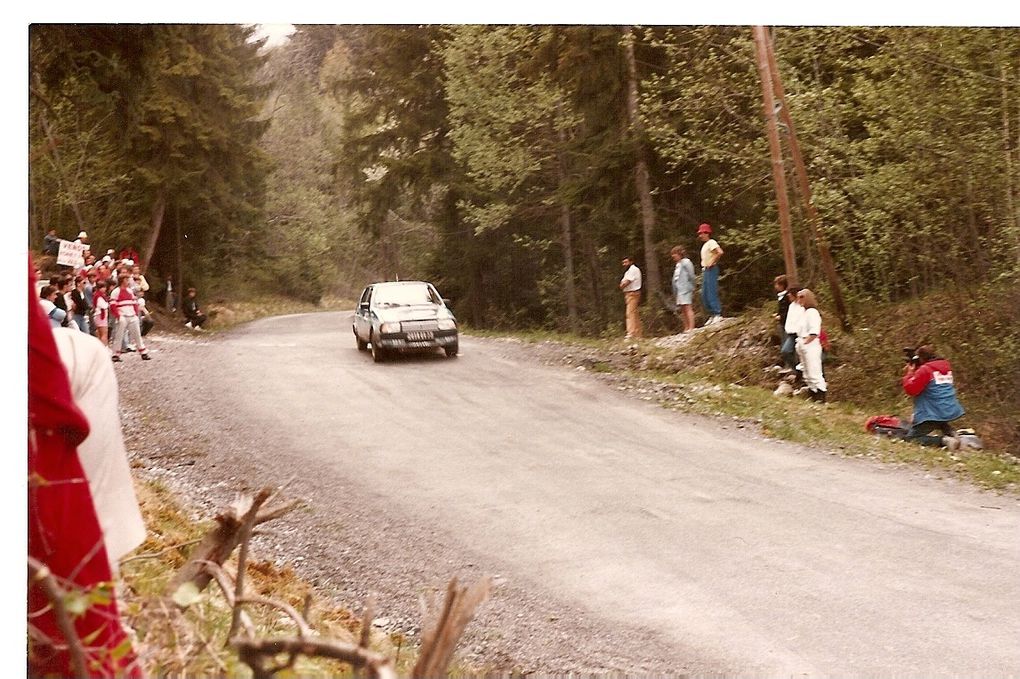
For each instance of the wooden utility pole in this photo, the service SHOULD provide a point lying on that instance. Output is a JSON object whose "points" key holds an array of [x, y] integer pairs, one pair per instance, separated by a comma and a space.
{"points": [[778, 174], [805, 186]]}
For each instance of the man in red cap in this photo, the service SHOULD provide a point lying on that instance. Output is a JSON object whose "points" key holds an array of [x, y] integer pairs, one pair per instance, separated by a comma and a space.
{"points": [[710, 254]]}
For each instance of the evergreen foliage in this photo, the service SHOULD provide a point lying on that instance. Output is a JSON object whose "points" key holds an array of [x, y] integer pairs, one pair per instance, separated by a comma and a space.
{"points": [[498, 161], [173, 120]]}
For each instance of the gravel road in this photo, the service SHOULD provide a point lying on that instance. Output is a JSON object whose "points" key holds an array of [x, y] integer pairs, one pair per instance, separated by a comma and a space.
{"points": [[621, 536]]}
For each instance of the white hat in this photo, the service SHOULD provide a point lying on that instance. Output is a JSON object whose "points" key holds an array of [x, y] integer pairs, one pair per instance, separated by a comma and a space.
{"points": [[108, 258], [129, 262], [83, 235]]}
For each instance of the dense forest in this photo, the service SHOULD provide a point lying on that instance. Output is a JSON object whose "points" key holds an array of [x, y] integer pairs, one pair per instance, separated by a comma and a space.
{"points": [[515, 165]]}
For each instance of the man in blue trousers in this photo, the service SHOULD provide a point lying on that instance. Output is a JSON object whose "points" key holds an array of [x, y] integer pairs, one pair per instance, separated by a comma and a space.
{"points": [[710, 254]]}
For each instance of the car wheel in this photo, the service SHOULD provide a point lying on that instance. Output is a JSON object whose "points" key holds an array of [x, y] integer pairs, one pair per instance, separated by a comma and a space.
{"points": [[378, 353], [451, 351]]}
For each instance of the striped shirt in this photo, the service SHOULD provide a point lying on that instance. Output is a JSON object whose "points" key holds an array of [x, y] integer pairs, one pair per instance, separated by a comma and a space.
{"points": [[123, 303]]}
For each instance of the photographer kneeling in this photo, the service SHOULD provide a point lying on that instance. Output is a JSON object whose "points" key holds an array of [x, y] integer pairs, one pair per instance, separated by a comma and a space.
{"points": [[929, 379]]}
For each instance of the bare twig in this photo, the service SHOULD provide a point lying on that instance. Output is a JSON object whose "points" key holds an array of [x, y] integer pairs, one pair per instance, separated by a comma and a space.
{"points": [[253, 651], [181, 660], [153, 555], [280, 489], [306, 608], [441, 635], [212, 652], [247, 524], [366, 622], [366, 629], [219, 543], [40, 574], [276, 512], [227, 587], [304, 629]]}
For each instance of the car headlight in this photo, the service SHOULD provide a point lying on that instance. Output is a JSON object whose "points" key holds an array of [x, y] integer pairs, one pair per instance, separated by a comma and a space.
{"points": [[447, 324], [389, 327]]}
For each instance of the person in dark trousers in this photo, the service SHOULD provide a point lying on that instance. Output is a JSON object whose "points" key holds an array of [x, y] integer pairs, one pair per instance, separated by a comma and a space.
{"points": [[196, 319], [787, 340], [929, 380], [710, 255], [82, 308]]}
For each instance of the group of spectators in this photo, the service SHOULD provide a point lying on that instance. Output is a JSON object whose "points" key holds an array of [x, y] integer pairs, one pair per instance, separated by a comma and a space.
{"points": [[803, 342], [683, 282], [804, 345], [83, 512], [106, 298]]}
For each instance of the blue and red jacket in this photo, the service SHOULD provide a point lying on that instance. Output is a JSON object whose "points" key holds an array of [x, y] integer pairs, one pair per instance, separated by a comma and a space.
{"points": [[931, 385]]}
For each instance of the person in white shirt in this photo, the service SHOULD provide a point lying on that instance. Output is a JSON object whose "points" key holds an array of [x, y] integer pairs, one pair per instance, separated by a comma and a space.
{"points": [[102, 454], [630, 284], [809, 347], [140, 284], [794, 315], [710, 254], [124, 306]]}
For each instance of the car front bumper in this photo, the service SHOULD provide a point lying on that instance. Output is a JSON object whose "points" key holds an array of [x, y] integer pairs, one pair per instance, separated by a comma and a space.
{"points": [[417, 341]]}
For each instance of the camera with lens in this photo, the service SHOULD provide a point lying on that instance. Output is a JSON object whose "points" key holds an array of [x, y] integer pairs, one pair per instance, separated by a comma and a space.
{"points": [[910, 353]]}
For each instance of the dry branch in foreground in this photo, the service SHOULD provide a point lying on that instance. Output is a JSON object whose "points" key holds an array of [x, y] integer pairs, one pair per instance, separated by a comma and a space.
{"points": [[442, 626], [220, 542]]}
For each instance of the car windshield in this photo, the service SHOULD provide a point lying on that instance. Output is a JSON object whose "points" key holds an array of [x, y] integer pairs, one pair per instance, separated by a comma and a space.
{"points": [[405, 295]]}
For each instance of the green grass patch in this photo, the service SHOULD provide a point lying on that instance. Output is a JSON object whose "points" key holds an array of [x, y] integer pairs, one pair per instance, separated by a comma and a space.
{"points": [[835, 426]]}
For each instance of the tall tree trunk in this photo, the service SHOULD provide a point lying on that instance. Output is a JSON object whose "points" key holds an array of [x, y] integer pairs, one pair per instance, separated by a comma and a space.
{"points": [[980, 255], [155, 225], [1013, 214], [565, 230], [179, 275], [653, 282], [592, 258], [568, 267]]}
